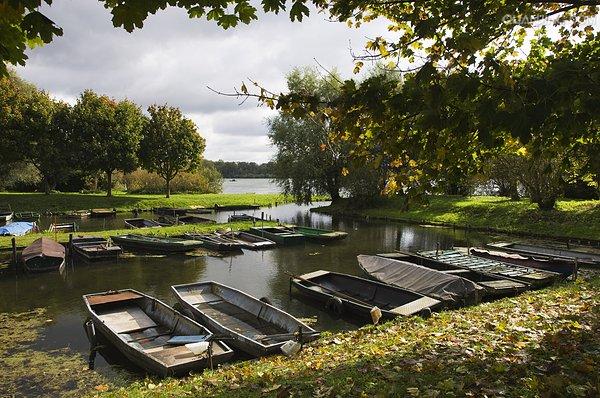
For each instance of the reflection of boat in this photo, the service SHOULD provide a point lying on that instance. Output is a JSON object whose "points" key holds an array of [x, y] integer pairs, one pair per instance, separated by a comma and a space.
{"points": [[350, 295], [280, 235], [187, 219], [450, 289], [562, 266], [153, 335], [214, 242], [456, 259], [134, 223], [494, 285], [43, 255], [255, 327], [247, 240], [63, 227], [156, 244], [18, 228], [103, 213], [95, 248], [321, 235], [544, 251], [30, 216]]}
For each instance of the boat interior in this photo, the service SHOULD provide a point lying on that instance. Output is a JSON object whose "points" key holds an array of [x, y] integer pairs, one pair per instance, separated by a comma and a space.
{"points": [[147, 325], [236, 311]]}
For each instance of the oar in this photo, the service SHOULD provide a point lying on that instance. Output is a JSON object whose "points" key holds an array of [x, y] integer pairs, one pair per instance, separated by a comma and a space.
{"points": [[285, 335], [375, 311]]}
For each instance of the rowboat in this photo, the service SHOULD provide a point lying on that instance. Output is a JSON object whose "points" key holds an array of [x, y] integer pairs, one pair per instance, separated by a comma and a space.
{"points": [[5, 216], [321, 235], [95, 248], [494, 285], [29, 216], [255, 327], [78, 214], [280, 235], [156, 244], [103, 213], [247, 240], [550, 252], [43, 255], [563, 266], [235, 207], [63, 227], [214, 242], [450, 289], [18, 228], [346, 294], [135, 223], [170, 211], [187, 219], [199, 210], [151, 334], [242, 217]]}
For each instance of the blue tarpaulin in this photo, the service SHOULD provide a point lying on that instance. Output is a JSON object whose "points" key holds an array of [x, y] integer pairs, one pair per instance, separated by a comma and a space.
{"points": [[16, 228]]}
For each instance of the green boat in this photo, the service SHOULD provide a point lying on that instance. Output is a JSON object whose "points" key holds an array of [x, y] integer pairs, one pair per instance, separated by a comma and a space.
{"points": [[27, 216], [156, 243], [281, 235], [321, 235]]}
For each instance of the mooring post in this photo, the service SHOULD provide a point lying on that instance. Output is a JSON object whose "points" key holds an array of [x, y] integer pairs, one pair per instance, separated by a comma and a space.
{"points": [[13, 241], [70, 245]]}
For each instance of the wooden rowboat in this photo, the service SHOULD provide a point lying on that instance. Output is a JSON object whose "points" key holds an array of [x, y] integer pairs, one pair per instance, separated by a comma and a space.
{"points": [[5, 216], [43, 255], [29, 216], [214, 242], [156, 244], [187, 219], [320, 235], [255, 327], [63, 227], [247, 240], [135, 223], [235, 207], [587, 258], [144, 329], [94, 248], [103, 213], [280, 235], [350, 295]]}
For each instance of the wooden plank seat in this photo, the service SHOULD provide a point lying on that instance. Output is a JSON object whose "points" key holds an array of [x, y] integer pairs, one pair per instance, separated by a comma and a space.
{"points": [[127, 319]]}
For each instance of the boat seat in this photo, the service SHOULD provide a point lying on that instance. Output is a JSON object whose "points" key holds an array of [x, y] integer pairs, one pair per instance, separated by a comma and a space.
{"points": [[126, 319], [457, 271], [199, 298]]}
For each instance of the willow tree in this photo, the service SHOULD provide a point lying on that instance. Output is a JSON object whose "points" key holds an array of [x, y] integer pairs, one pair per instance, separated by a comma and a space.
{"points": [[171, 144]]}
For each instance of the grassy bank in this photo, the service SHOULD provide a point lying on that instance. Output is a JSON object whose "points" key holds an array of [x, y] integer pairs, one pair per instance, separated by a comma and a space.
{"points": [[22, 241], [572, 218], [58, 202], [542, 343]]}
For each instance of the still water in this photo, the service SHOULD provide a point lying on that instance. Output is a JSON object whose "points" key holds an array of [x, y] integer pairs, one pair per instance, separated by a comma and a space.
{"points": [[261, 274], [250, 185]]}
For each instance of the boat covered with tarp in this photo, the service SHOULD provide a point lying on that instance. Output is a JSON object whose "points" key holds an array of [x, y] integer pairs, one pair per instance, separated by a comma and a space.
{"points": [[156, 243], [153, 335], [44, 254], [18, 228], [451, 289]]}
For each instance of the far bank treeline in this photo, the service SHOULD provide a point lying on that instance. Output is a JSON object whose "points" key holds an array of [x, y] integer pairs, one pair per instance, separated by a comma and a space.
{"points": [[98, 140]]}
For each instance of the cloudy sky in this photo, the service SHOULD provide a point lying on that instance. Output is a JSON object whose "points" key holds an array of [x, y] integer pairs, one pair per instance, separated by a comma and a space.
{"points": [[173, 59]]}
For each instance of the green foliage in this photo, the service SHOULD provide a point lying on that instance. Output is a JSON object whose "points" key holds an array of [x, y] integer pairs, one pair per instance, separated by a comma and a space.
{"points": [[171, 144], [244, 169], [108, 134], [204, 180]]}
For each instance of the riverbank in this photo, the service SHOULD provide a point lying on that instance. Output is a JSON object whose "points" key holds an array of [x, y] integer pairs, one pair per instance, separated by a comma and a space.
{"points": [[541, 343], [61, 202], [572, 219], [22, 241]]}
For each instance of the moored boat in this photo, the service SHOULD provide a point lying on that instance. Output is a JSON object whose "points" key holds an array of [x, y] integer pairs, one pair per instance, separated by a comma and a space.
{"points": [[214, 242], [18, 228], [94, 248], [319, 235], [43, 255], [186, 219], [5, 215], [135, 223], [170, 211], [280, 235], [156, 243], [235, 207], [153, 335], [255, 327], [29, 216], [63, 227], [78, 214], [450, 289], [103, 213], [247, 240], [351, 295], [582, 257], [243, 217]]}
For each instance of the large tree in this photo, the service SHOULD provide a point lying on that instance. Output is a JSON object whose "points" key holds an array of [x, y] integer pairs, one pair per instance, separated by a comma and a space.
{"points": [[170, 144], [107, 134]]}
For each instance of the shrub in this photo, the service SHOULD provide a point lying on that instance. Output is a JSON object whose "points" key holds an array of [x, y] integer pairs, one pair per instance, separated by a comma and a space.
{"points": [[205, 180]]}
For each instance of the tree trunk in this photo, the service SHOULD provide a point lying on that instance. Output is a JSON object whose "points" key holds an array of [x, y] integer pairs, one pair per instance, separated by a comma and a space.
{"points": [[46, 186], [109, 183], [168, 180]]}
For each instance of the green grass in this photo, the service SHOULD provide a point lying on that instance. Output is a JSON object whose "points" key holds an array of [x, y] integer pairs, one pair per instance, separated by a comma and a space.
{"points": [[22, 241], [544, 343], [58, 202], [571, 218]]}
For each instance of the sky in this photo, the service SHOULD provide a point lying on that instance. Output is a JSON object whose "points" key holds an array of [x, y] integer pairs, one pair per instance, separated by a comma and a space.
{"points": [[173, 59]]}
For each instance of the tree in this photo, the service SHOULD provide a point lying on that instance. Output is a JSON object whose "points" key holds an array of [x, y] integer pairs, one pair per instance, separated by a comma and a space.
{"points": [[108, 134], [170, 144]]}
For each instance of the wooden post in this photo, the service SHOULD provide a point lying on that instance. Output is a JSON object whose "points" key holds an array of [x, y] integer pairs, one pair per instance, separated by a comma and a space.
{"points": [[70, 245], [14, 251]]}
